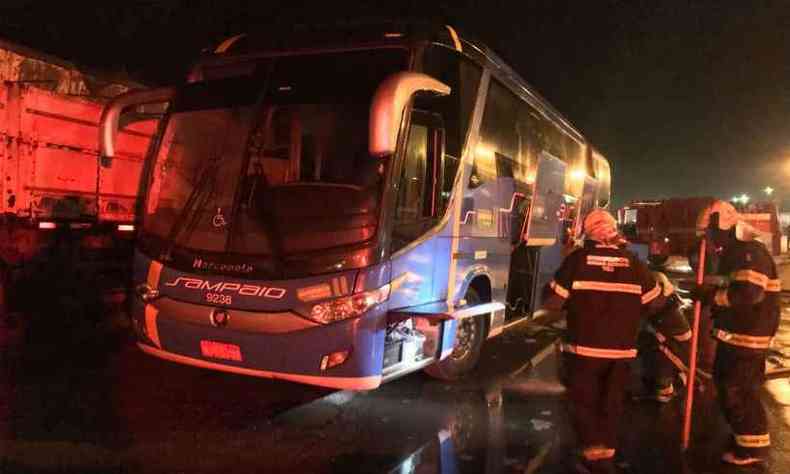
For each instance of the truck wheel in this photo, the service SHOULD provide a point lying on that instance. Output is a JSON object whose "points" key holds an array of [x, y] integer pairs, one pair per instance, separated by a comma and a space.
{"points": [[469, 337]]}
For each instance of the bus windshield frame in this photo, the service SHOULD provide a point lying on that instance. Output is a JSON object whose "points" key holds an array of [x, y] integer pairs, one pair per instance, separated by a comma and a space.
{"points": [[271, 166]]}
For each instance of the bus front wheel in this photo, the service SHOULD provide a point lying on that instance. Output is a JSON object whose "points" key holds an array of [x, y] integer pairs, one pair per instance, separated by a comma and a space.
{"points": [[469, 337]]}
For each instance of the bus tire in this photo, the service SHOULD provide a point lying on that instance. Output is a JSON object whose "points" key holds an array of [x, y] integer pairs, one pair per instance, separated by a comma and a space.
{"points": [[470, 335]]}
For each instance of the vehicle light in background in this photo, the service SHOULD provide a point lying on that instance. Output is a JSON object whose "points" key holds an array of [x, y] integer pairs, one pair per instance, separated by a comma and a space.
{"points": [[47, 225], [334, 359], [348, 307], [125, 227], [666, 239]]}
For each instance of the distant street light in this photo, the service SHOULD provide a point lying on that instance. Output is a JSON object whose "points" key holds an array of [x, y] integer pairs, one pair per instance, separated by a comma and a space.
{"points": [[735, 199], [768, 190], [744, 198]]}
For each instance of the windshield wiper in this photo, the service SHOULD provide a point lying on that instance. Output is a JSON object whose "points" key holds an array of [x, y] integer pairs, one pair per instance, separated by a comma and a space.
{"points": [[245, 164], [208, 176]]}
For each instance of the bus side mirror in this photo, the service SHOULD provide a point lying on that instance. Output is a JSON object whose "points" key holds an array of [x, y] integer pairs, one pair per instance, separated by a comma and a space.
{"points": [[111, 117], [389, 102]]}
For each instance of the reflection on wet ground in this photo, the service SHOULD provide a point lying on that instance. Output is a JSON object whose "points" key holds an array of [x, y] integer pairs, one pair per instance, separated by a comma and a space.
{"points": [[71, 403]]}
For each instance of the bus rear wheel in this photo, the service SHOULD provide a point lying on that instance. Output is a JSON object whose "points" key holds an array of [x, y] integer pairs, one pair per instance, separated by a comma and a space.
{"points": [[469, 337]]}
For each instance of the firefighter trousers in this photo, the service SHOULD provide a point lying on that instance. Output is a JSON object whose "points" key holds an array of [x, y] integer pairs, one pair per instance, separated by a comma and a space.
{"points": [[739, 375], [596, 389], [671, 356]]}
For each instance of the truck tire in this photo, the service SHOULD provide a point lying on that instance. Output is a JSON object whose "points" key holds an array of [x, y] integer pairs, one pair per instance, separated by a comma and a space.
{"points": [[469, 338]]}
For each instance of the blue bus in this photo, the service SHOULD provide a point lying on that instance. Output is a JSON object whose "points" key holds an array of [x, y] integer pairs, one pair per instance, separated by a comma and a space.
{"points": [[349, 208]]}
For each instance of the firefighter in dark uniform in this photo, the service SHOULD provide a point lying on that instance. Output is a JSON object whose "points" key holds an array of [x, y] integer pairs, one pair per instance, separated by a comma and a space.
{"points": [[668, 334], [668, 340], [746, 317], [605, 290], [706, 345]]}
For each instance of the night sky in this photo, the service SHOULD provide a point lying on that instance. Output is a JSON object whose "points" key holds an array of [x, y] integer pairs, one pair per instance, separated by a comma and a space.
{"points": [[686, 98]]}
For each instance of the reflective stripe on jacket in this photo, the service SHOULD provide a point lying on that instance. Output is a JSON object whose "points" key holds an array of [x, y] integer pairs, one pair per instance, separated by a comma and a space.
{"points": [[746, 310], [753, 441], [604, 290], [742, 340]]}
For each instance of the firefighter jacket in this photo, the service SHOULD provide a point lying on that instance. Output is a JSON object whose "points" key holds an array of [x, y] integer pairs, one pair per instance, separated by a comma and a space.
{"points": [[604, 290], [669, 320], [746, 310]]}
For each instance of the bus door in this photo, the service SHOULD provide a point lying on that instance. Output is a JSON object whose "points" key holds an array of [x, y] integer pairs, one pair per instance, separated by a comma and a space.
{"points": [[585, 205], [413, 336], [542, 230], [417, 210], [523, 263]]}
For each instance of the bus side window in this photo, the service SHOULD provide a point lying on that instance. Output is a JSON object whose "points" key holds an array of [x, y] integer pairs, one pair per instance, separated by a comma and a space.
{"points": [[504, 166], [411, 187], [499, 136], [603, 173], [519, 206], [419, 186], [483, 166], [463, 77]]}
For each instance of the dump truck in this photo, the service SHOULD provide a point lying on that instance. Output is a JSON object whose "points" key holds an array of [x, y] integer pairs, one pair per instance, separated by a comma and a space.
{"points": [[52, 187]]}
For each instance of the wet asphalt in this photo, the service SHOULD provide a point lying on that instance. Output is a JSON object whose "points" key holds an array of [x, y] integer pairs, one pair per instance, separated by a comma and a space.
{"points": [[79, 397]]}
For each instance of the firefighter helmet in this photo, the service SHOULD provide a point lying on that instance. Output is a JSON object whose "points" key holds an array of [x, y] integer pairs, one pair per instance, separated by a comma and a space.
{"points": [[728, 216], [663, 281], [600, 225]]}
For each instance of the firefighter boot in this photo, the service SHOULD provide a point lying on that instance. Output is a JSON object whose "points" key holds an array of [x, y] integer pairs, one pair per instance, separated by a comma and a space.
{"points": [[731, 458], [665, 391], [597, 460]]}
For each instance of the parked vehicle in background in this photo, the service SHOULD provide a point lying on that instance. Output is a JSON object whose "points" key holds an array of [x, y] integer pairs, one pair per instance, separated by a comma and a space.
{"points": [[52, 186], [350, 208], [667, 226], [763, 217]]}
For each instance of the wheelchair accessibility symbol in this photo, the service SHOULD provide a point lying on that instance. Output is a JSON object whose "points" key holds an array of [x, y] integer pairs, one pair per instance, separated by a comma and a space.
{"points": [[219, 220]]}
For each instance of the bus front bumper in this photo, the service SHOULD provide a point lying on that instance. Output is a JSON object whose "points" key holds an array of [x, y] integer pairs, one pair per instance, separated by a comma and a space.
{"points": [[268, 345], [343, 383]]}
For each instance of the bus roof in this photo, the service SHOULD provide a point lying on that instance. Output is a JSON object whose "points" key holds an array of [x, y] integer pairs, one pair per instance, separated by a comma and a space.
{"points": [[303, 38]]}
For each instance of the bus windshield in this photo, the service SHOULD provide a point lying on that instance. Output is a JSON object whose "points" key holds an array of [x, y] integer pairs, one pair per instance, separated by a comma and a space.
{"points": [[272, 163]]}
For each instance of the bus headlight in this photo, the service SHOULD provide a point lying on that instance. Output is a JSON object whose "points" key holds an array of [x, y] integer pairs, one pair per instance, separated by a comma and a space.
{"points": [[349, 307]]}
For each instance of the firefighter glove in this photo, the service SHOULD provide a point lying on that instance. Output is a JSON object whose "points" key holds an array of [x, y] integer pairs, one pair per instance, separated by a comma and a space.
{"points": [[703, 293]]}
